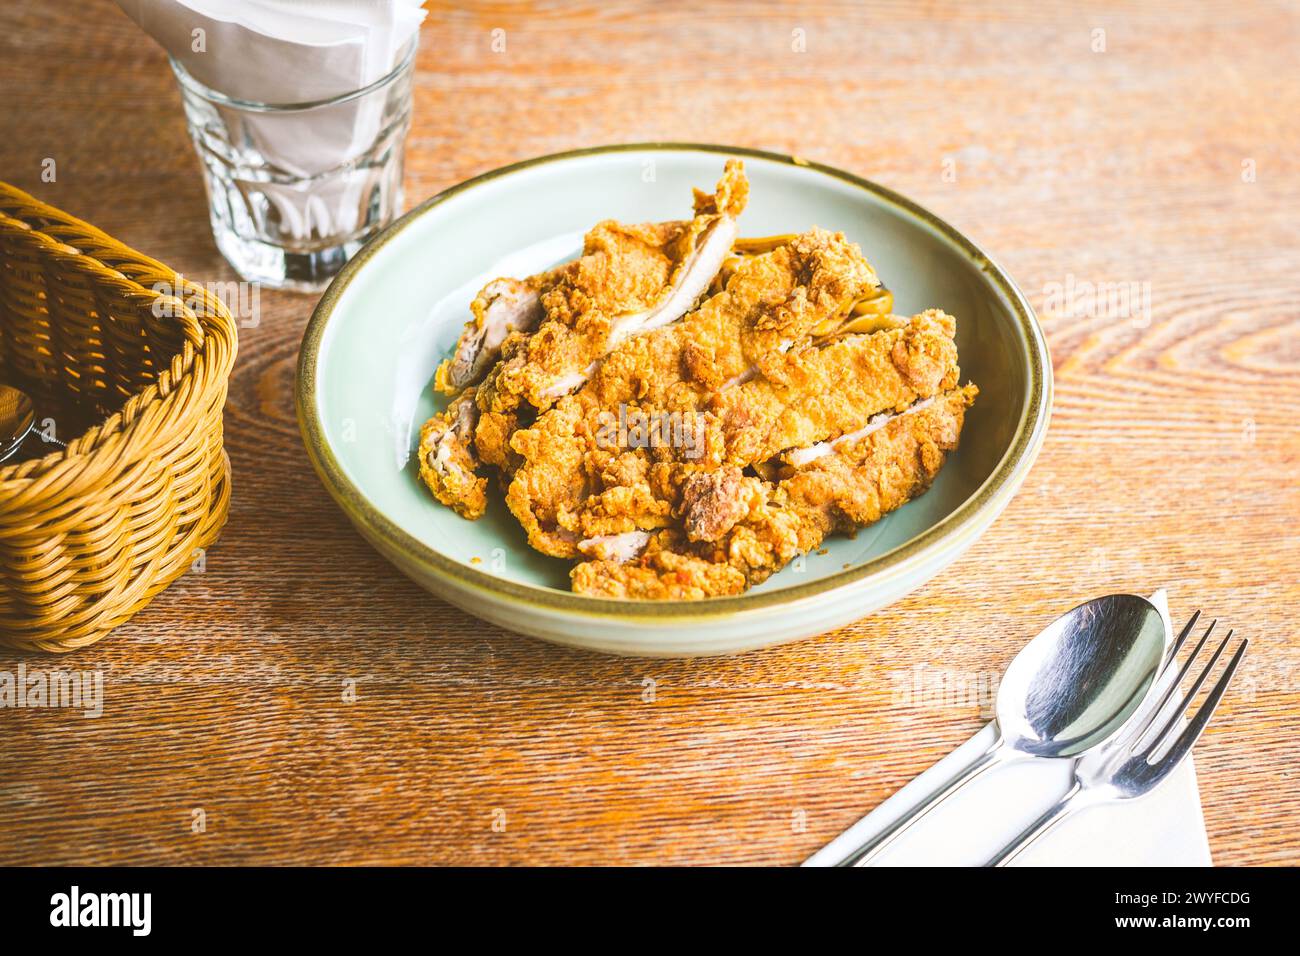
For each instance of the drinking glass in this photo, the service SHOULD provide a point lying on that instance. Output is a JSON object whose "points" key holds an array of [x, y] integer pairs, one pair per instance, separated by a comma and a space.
{"points": [[296, 189]]}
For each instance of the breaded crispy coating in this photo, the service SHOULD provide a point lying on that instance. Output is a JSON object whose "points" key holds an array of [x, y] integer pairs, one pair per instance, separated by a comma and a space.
{"points": [[629, 280], [530, 342], [448, 464], [852, 485], [730, 373], [684, 413], [562, 493]]}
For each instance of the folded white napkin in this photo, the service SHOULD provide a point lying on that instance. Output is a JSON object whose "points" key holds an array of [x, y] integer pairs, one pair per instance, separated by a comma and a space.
{"points": [[281, 51], [1164, 828], [284, 52]]}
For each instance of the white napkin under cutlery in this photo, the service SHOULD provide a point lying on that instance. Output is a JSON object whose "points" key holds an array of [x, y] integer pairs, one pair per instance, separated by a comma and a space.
{"points": [[1164, 828]]}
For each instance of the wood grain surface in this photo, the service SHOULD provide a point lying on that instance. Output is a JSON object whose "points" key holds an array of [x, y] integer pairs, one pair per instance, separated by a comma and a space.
{"points": [[1168, 159]]}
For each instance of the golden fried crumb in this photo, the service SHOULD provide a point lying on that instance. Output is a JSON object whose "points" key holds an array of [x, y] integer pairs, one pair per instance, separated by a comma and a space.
{"points": [[683, 414]]}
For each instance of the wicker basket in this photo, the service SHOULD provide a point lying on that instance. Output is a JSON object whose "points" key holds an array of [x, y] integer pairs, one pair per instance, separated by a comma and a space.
{"points": [[89, 535]]}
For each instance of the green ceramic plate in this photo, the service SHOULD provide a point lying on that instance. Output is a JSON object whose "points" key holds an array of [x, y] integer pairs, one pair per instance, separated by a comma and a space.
{"points": [[395, 311]]}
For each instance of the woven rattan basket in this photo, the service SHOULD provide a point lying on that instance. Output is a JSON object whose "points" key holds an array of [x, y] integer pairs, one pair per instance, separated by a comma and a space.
{"points": [[91, 533]]}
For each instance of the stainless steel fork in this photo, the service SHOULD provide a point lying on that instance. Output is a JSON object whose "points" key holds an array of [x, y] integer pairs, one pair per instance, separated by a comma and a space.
{"points": [[1155, 742]]}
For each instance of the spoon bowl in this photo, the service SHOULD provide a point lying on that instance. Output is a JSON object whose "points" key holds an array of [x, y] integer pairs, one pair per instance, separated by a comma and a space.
{"points": [[1068, 691], [1075, 685]]}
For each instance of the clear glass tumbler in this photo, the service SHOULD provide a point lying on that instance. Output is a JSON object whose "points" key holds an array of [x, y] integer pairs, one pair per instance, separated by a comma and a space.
{"points": [[295, 189]]}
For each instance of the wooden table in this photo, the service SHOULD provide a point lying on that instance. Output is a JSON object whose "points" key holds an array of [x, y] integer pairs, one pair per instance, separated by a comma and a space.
{"points": [[1168, 159]]}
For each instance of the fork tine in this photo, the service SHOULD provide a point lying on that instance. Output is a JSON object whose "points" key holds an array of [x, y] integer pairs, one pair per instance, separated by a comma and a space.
{"points": [[1134, 736], [1192, 732], [1182, 635], [1175, 718]]}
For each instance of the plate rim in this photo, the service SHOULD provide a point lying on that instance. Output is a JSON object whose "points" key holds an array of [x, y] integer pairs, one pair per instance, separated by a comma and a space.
{"points": [[1003, 481]]}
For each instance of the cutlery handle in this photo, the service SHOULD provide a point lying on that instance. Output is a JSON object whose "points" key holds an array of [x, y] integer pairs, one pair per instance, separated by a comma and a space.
{"points": [[1067, 805], [868, 851]]}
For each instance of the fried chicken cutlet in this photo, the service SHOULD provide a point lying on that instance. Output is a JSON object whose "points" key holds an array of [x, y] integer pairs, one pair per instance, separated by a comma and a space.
{"points": [[839, 486], [729, 370], [847, 382], [530, 341], [748, 397], [683, 412], [629, 280]]}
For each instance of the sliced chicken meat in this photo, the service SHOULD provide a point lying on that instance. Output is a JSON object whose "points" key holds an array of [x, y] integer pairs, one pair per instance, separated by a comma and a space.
{"points": [[448, 464], [628, 278], [860, 481], [503, 306], [684, 412], [629, 281], [572, 477]]}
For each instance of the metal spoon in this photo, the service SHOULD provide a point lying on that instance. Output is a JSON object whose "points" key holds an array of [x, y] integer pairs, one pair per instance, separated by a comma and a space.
{"points": [[1151, 746], [1068, 690], [17, 419]]}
